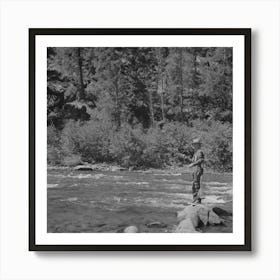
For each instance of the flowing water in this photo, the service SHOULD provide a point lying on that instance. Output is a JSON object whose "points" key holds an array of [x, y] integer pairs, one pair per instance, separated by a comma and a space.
{"points": [[90, 201]]}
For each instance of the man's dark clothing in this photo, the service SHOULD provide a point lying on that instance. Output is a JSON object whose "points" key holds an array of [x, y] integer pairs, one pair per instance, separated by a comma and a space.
{"points": [[197, 160]]}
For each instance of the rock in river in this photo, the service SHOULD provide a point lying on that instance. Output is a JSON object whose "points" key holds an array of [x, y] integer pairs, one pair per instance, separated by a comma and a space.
{"points": [[156, 225], [193, 215], [83, 168], [131, 229]]}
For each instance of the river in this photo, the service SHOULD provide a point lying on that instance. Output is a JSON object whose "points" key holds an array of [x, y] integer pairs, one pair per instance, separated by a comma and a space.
{"points": [[90, 201]]}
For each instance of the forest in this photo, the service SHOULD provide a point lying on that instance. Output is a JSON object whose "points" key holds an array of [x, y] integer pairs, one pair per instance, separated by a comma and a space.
{"points": [[139, 107]]}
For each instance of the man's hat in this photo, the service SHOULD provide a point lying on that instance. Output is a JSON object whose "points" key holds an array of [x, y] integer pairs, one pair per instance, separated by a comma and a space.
{"points": [[196, 141]]}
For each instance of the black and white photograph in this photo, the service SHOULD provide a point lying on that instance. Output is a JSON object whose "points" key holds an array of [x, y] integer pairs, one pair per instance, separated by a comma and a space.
{"points": [[137, 134], [140, 139]]}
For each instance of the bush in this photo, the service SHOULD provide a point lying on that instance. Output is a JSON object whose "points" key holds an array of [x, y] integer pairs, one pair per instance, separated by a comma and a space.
{"points": [[72, 160], [217, 144], [141, 149], [90, 140], [127, 145], [54, 153], [100, 141], [156, 152], [179, 138]]}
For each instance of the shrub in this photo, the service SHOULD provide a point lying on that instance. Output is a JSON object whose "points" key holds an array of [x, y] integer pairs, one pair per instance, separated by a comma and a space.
{"points": [[54, 153], [71, 160], [179, 139], [53, 136], [89, 140], [217, 144], [101, 141], [126, 146], [155, 153]]}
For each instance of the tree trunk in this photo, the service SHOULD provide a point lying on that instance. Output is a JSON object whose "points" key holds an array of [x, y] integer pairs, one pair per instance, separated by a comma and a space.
{"points": [[81, 94], [160, 81], [151, 106], [117, 109], [162, 97], [181, 83]]}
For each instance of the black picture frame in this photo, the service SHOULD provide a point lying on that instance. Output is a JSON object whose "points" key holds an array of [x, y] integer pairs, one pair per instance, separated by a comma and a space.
{"points": [[33, 32]]}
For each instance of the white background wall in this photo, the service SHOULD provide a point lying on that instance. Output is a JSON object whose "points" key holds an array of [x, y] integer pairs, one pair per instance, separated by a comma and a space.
{"points": [[15, 260]]}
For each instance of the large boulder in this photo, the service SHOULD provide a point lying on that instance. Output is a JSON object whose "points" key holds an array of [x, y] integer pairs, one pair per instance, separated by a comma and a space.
{"points": [[193, 215], [185, 226]]}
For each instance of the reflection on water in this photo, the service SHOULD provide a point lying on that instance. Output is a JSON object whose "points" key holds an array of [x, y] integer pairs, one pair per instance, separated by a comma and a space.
{"points": [[109, 201]]}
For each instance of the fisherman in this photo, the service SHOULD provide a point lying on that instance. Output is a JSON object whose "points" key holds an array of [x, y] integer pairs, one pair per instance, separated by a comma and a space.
{"points": [[197, 162]]}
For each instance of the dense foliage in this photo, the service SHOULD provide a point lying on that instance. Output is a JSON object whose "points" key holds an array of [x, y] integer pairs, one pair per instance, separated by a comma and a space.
{"points": [[139, 107]]}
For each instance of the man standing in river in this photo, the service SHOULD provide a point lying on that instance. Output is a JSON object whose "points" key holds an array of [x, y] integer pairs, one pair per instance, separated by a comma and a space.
{"points": [[197, 162]]}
